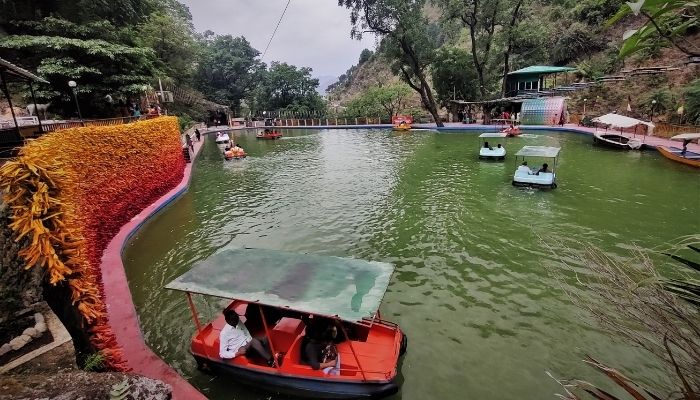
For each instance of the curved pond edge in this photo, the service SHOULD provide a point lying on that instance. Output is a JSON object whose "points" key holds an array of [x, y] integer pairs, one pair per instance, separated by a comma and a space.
{"points": [[120, 307]]}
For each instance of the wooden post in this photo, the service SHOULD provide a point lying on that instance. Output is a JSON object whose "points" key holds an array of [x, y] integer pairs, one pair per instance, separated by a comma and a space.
{"points": [[3, 78], [267, 335], [194, 313], [36, 109]]}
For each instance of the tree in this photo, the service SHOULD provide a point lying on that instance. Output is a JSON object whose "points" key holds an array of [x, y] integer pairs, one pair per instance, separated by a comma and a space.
{"points": [[287, 87], [171, 36], [387, 100], [454, 75], [365, 56], [406, 40], [481, 18], [228, 69], [666, 21]]}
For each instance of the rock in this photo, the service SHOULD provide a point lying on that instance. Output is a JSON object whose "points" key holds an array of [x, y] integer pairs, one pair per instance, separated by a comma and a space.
{"points": [[38, 318], [40, 327], [31, 332], [6, 348]]}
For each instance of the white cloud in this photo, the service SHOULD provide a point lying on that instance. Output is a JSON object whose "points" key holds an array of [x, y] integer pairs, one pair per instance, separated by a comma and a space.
{"points": [[314, 33]]}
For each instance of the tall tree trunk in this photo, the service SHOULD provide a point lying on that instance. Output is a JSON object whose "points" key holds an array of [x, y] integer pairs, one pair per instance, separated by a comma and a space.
{"points": [[509, 48], [423, 87]]}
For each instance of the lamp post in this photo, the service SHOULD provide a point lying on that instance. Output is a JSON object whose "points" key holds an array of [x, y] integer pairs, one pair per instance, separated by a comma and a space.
{"points": [[653, 104], [584, 107], [72, 86]]}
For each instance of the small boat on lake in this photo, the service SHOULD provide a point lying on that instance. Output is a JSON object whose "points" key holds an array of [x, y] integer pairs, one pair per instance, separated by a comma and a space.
{"points": [[620, 141], [537, 178], [282, 296], [617, 141], [492, 146], [682, 155], [268, 134], [223, 139], [402, 122]]}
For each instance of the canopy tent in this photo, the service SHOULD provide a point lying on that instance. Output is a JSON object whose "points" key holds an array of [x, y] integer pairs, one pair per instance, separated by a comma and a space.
{"points": [[493, 135], [620, 121], [686, 136], [347, 288], [539, 151]]}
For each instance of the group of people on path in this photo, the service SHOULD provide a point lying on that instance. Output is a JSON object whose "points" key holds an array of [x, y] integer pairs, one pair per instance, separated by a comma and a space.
{"points": [[318, 348], [188, 139]]}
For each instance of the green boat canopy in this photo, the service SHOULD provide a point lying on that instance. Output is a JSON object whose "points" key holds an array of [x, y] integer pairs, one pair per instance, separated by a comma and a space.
{"points": [[539, 151], [332, 286]]}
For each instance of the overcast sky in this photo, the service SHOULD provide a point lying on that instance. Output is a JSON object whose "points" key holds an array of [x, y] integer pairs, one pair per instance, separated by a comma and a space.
{"points": [[313, 33]]}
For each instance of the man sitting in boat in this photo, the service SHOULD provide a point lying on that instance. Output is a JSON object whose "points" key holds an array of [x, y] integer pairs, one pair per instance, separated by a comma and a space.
{"points": [[543, 170], [486, 146], [524, 169], [511, 129], [235, 340], [237, 150]]}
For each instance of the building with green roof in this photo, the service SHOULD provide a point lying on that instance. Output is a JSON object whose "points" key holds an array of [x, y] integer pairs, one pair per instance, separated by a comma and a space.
{"points": [[533, 79]]}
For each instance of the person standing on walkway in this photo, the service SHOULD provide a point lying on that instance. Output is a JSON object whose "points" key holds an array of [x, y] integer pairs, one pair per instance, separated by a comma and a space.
{"points": [[198, 134], [188, 139]]}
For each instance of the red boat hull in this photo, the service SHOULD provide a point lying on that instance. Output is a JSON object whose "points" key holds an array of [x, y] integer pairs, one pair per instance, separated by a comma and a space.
{"points": [[270, 136], [369, 360]]}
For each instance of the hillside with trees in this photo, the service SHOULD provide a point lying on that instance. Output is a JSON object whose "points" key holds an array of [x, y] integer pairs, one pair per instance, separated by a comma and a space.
{"points": [[464, 49]]}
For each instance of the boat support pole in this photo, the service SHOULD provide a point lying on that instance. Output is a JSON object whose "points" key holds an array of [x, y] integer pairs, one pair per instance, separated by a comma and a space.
{"points": [[267, 335], [357, 360], [195, 318]]}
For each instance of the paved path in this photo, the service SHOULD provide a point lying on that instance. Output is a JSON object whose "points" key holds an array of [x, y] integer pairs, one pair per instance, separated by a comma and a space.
{"points": [[120, 307]]}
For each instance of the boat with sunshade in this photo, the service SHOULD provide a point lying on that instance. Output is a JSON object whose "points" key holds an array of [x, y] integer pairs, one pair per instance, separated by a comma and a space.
{"points": [[682, 155], [276, 294], [492, 145], [543, 177], [223, 139], [620, 141], [402, 122]]}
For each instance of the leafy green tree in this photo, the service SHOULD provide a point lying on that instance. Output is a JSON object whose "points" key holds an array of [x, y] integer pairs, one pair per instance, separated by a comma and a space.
{"points": [[406, 40], [380, 100], [228, 69], [99, 56], [576, 41], [454, 75], [666, 21], [171, 36], [290, 88], [692, 102], [482, 19], [365, 56]]}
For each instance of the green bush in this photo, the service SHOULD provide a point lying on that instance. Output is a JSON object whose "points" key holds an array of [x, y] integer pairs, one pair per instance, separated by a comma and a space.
{"points": [[692, 102]]}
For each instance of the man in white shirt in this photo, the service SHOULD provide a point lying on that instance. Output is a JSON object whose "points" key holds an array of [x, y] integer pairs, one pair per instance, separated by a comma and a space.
{"points": [[524, 169], [235, 340]]}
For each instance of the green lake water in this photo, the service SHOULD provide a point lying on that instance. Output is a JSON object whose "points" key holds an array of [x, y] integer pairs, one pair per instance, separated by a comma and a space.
{"points": [[473, 255]]}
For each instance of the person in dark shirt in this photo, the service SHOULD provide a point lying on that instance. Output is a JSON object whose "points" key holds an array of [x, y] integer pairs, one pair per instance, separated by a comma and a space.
{"points": [[318, 348], [544, 169]]}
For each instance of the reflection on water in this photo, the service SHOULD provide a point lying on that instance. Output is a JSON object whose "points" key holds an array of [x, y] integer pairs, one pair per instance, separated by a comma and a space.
{"points": [[471, 288]]}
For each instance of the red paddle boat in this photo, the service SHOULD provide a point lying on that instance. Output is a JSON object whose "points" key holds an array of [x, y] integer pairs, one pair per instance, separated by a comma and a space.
{"points": [[512, 131], [268, 135], [276, 294]]}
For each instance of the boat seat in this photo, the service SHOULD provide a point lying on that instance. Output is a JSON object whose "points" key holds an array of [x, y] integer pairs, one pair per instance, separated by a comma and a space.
{"points": [[285, 333]]}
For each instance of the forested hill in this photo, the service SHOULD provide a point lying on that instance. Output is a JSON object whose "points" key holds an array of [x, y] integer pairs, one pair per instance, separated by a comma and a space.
{"points": [[466, 50]]}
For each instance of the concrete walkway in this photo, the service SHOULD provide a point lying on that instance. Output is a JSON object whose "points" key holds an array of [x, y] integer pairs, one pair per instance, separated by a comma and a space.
{"points": [[120, 307]]}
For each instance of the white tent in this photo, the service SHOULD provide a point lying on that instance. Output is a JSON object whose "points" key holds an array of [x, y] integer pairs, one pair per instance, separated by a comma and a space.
{"points": [[620, 121]]}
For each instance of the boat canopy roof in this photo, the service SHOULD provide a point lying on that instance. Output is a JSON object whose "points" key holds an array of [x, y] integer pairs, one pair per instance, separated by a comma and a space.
{"points": [[493, 135], [620, 121], [539, 151], [686, 136], [348, 288]]}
